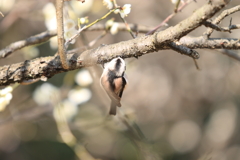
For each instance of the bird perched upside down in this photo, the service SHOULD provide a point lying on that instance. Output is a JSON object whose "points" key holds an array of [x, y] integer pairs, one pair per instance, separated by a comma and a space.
{"points": [[113, 80]]}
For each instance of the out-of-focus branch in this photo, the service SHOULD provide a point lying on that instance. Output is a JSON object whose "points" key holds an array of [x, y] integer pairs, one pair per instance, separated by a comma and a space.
{"points": [[87, 26], [36, 39], [1, 14], [122, 27], [49, 66], [177, 9], [19, 9], [230, 54], [45, 36], [90, 44], [124, 21]]}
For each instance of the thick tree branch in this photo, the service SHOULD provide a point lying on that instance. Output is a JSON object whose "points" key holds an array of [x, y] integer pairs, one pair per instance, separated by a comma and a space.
{"points": [[49, 66]]}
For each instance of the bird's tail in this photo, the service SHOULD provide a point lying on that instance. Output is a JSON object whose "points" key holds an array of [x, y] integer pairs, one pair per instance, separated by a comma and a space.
{"points": [[113, 108]]}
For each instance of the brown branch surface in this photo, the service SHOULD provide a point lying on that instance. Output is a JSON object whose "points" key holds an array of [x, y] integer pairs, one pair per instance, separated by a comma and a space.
{"points": [[34, 69], [49, 66], [211, 43], [60, 34]]}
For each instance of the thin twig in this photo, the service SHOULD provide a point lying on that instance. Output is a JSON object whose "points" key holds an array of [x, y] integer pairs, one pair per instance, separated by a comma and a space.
{"points": [[74, 36], [127, 26], [169, 17], [216, 27], [122, 27], [93, 42], [176, 6], [87, 26], [220, 18], [184, 50], [196, 64], [222, 29], [231, 27], [133, 128], [124, 20]]}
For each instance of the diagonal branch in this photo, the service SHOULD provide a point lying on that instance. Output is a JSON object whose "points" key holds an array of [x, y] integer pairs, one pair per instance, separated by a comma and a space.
{"points": [[36, 39], [184, 50], [1, 14], [216, 27], [169, 17]]}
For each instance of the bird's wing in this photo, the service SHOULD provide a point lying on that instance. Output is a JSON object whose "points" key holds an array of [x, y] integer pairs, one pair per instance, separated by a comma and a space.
{"points": [[112, 95], [120, 84]]}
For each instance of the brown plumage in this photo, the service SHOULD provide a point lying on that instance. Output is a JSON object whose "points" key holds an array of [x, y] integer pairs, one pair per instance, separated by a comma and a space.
{"points": [[113, 81]]}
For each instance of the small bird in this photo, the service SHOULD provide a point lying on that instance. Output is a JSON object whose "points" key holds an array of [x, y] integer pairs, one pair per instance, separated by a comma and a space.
{"points": [[113, 81]]}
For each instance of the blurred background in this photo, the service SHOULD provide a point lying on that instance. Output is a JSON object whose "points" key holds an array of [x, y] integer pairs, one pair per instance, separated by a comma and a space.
{"points": [[170, 110]]}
